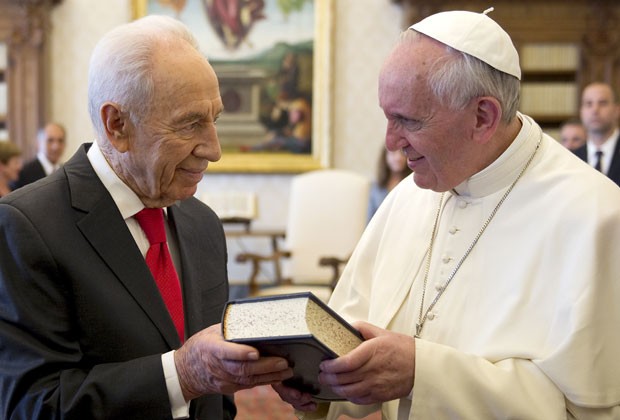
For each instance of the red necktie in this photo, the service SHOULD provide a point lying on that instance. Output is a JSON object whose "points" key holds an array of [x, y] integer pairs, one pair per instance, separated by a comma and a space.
{"points": [[160, 263]]}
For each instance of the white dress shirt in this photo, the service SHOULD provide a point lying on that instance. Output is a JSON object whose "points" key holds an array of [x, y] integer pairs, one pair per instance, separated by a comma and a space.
{"points": [[48, 166], [608, 151], [129, 204]]}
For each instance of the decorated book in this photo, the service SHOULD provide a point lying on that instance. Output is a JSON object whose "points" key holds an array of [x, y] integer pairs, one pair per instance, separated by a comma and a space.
{"points": [[299, 327]]}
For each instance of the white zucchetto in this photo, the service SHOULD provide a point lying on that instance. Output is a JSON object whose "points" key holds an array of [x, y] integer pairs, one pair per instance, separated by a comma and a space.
{"points": [[475, 34]]}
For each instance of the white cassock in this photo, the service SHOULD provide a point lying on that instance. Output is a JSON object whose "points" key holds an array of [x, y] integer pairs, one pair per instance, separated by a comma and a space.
{"points": [[529, 326]]}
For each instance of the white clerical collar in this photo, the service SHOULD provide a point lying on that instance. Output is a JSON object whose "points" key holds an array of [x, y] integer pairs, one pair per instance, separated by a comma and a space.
{"points": [[125, 199], [505, 169]]}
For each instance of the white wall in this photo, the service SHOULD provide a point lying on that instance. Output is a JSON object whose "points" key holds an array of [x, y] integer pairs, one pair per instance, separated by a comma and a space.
{"points": [[365, 31], [77, 25]]}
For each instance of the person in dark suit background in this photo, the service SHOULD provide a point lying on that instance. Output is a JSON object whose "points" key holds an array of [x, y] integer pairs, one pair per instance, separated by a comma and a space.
{"points": [[573, 134], [51, 143], [84, 330], [599, 112]]}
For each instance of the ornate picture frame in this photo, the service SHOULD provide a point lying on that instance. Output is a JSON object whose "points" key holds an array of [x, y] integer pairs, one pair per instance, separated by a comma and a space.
{"points": [[243, 83]]}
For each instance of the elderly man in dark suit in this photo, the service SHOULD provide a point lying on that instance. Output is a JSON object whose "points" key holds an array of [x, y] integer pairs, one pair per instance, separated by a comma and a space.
{"points": [[98, 318], [600, 111], [51, 143]]}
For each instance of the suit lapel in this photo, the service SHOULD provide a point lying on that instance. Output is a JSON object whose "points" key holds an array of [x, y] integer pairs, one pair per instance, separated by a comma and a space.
{"points": [[39, 170], [198, 244], [104, 228], [582, 153], [187, 243], [614, 168]]}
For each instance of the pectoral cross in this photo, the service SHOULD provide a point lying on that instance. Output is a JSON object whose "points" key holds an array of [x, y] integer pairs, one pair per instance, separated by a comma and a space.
{"points": [[418, 330]]}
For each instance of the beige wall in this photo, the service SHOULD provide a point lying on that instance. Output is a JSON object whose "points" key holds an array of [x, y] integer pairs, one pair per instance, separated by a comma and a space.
{"points": [[77, 25], [365, 31]]}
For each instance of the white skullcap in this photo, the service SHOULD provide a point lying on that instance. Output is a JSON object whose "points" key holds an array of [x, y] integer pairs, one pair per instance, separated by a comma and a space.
{"points": [[475, 34]]}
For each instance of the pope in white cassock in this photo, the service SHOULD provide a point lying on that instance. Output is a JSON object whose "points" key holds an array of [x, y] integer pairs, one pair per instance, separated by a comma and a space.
{"points": [[489, 280]]}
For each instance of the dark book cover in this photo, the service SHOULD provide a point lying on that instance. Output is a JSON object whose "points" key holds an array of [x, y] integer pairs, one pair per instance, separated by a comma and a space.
{"points": [[304, 351]]}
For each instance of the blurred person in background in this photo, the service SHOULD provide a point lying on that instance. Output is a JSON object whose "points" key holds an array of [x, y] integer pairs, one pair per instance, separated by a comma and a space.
{"points": [[573, 134], [599, 113], [51, 143], [10, 165], [392, 168]]}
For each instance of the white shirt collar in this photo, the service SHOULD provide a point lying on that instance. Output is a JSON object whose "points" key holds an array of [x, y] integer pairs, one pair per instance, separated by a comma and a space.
{"points": [[607, 148], [125, 199], [48, 166]]}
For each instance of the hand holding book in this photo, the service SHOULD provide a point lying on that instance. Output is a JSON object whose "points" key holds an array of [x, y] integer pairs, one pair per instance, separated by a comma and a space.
{"points": [[298, 327]]}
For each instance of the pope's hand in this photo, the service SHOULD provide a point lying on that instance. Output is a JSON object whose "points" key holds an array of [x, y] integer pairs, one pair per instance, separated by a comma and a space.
{"points": [[208, 364], [380, 369]]}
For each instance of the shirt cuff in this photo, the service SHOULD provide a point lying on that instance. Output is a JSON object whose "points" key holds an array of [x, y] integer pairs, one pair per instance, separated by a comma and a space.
{"points": [[410, 396], [180, 408]]}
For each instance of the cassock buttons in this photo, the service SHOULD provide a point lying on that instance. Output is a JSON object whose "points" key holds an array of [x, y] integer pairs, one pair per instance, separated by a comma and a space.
{"points": [[462, 204], [453, 230], [446, 259]]}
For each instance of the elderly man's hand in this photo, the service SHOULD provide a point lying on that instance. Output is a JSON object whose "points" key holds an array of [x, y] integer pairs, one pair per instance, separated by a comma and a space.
{"points": [[208, 364], [380, 369], [301, 401]]}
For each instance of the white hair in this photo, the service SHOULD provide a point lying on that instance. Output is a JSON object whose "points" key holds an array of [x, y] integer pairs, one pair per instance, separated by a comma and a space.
{"points": [[121, 66], [458, 77]]}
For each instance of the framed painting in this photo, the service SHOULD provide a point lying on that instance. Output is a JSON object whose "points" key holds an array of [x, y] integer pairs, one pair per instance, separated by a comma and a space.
{"points": [[273, 59]]}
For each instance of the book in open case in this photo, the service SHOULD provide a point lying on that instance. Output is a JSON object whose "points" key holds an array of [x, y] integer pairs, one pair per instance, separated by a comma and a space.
{"points": [[298, 327]]}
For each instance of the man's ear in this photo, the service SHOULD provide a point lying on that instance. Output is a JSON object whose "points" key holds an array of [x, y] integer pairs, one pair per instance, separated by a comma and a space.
{"points": [[488, 117], [116, 126]]}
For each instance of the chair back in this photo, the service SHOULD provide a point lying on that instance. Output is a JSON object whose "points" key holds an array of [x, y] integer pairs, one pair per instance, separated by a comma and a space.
{"points": [[327, 215]]}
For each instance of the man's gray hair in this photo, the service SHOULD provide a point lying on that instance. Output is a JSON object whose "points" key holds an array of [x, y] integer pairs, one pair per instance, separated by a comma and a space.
{"points": [[121, 66], [459, 77]]}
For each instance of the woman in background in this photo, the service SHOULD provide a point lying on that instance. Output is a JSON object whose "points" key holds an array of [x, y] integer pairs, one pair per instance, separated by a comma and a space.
{"points": [[10, 165], [391, 170]]}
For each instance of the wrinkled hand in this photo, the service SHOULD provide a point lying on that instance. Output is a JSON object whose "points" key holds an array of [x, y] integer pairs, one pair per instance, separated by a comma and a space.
{"points": [[208, 364], [301, 401], [380, 369]]}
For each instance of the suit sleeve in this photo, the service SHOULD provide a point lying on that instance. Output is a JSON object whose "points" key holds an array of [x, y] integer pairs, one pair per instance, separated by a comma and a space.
{"points": [[44, 371]]}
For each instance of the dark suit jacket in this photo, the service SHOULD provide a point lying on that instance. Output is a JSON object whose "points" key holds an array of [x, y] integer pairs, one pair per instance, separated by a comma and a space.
{"points": [[82, 324], [614, 169], [32, 171]]}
